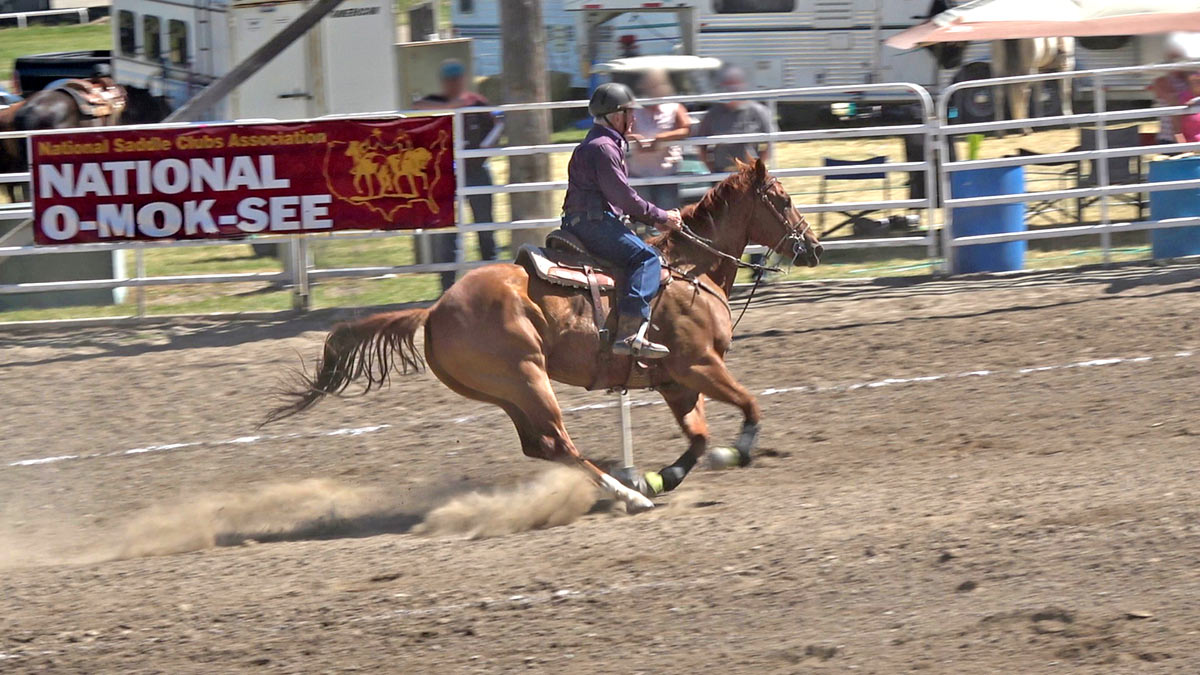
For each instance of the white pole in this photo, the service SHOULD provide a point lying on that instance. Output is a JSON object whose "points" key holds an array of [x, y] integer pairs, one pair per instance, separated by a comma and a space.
{"points": [[1100, 96], [626, 432], [140, 291]]}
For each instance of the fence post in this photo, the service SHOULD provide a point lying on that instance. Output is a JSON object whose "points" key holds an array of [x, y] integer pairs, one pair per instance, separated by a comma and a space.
{"points": [[1101, 104], [460, 182], [298, 257], [941, 157], [931, 181], [139, 257]]}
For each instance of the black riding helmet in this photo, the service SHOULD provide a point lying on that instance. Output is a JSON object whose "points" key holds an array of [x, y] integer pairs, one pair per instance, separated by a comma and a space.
{"points": [[611, 97]]}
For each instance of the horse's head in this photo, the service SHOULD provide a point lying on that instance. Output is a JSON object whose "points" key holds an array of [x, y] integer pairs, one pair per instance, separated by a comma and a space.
{"points": [[775, 223]]}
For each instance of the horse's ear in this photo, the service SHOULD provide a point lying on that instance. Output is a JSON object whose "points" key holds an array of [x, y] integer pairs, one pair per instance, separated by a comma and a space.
{"points": [[739, 165], [760, 171]]}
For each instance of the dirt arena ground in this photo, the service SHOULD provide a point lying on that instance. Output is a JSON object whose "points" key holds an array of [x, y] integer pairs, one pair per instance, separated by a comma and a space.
{"points": [[966, 476]]}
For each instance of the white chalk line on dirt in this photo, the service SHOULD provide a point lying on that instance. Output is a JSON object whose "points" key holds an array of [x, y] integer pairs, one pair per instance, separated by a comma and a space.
{"points": [[772, 391], [241, 440]]}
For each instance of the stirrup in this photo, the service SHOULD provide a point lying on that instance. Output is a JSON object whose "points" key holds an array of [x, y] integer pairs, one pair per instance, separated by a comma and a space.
{"points": [[638, 346]]}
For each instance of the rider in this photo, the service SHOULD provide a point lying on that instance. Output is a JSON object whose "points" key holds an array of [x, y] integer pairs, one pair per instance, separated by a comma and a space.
{"points": [[598, 195]]}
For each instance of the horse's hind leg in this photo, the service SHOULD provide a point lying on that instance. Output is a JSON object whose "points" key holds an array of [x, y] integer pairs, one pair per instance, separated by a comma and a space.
{"points": [[688, 407], [522, 389], [545, 435], [710, 377]]}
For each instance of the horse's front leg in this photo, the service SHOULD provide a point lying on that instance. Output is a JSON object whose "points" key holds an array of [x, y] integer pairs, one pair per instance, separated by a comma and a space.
{"points": [[688, 407], [710, 377]]}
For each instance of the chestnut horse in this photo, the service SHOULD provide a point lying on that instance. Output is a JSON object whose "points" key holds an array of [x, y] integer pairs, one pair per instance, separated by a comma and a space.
{"points": [[500, 335]]}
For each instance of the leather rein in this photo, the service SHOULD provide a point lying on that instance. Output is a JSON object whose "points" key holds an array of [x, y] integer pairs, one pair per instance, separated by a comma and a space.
{"points": [[791, 234]]}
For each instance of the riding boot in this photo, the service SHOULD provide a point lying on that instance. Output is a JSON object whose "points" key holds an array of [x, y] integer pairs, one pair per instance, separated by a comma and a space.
{"points": [[631, 339]]}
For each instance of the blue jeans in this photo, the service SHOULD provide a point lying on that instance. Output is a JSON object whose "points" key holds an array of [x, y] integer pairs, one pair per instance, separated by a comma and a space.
{"points": [[608, 238]]}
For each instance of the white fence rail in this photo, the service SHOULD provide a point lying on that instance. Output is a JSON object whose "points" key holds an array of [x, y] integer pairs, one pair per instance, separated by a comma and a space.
{"points": [[299, 273], [932, 127], [23, 17]]}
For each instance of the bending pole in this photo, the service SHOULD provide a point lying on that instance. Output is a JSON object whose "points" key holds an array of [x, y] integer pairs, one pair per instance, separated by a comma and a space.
{"points": [[222, 87], [626, 431]]}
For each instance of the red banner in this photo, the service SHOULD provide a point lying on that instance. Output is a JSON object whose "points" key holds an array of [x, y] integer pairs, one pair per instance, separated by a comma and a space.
{"points": [[234, 180]]}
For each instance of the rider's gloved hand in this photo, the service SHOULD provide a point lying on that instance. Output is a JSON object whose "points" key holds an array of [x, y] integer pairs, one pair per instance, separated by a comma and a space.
{"points": [[673, 223]]}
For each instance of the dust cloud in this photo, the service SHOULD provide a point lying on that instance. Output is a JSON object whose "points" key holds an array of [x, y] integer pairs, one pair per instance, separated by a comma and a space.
{"points": [[555, 497], [312, 509]]}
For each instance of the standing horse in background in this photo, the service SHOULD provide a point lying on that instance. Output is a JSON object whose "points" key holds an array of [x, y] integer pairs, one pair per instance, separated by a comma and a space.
{"points": [[502, 333], [65, 104], [12, 152], [1032, 56]]}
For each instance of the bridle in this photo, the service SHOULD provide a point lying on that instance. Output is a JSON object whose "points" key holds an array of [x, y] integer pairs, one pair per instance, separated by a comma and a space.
{"points": [[792, 235]]}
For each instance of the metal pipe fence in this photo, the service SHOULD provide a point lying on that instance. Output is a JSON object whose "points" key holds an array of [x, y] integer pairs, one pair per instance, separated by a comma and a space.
{"points": [[1101, 155], [302, 273], [932, 127]]}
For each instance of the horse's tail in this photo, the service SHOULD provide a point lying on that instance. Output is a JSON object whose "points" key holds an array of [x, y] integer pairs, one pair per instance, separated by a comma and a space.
{"points": [[368, 349]]}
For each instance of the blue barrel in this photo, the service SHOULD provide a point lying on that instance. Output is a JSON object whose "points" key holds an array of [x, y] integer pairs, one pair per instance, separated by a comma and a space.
{"points": [[1175, 242], [1004, 257]]}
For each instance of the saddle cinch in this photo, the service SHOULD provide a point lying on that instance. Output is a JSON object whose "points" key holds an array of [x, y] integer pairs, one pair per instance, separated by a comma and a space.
{"points": [[565, 261]]}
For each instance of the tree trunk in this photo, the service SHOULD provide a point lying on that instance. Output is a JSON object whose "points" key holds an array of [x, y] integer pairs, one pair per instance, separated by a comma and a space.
{"points": [[525, 77]]}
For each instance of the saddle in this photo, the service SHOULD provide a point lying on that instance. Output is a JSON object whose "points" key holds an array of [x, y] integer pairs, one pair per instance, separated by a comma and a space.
{"points": [[565, 261], [98, 98]]}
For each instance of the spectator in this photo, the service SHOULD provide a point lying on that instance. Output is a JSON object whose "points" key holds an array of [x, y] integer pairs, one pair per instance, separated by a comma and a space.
{"points": [[1174, 88], [1189, 125], [734, 117], [480, 130], [654, 127]]}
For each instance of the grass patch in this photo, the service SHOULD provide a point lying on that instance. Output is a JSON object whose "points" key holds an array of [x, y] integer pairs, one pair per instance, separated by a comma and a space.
{"points": [[16, 42]]}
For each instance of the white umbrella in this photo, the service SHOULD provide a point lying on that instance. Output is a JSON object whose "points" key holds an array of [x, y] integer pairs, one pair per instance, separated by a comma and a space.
{"points": [[1015, 19]]}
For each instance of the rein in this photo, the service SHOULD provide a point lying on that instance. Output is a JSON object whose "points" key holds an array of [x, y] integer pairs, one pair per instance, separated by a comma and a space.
{"points": [[791, 234], [706, 244]]}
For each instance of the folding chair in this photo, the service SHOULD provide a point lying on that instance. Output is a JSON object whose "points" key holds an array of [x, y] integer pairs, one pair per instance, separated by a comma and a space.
{"points": [[851, 218], [1121, 170], [1064, 173]]}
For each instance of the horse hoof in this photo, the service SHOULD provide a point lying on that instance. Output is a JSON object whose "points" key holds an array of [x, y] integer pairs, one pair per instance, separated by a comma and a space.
{"points": [[631, 488], [746, 443]]}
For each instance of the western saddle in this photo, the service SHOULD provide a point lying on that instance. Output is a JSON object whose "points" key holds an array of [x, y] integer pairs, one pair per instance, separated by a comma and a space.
{"points": [[565, 261]]}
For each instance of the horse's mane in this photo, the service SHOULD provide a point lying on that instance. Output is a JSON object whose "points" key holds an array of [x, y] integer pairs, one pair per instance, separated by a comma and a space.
{"points": [[702, 216]]}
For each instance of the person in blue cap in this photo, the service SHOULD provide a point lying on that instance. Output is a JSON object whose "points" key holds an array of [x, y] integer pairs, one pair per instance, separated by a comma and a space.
{"points": [[477, 127], [598, 199]]}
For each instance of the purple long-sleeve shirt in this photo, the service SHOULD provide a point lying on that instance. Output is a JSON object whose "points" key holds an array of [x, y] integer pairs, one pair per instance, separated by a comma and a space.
{"points": [[597, 180]]}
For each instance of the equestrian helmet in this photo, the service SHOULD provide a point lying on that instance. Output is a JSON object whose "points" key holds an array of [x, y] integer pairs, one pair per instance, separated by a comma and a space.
{"points": [[611, 97]]}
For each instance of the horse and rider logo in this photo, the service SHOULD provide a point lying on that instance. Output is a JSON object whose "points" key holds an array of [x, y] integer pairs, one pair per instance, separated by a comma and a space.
{"points": [[386, 176]]}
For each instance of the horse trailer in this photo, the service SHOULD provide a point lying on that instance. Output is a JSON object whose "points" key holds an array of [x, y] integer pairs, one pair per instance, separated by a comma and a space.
{"points": [[173, 49]]}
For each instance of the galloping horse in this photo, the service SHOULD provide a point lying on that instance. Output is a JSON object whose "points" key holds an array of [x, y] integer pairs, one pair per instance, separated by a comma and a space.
{"points": [[501, 335]]}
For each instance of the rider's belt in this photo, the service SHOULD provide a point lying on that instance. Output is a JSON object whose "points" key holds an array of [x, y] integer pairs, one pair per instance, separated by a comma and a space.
{"points": [[584, 217]]}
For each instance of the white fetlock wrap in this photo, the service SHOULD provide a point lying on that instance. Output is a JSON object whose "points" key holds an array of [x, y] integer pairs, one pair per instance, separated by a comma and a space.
{"points": [[633, 500]]}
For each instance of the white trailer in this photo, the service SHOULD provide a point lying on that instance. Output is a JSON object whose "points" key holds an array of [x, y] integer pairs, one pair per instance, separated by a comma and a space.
{"points": [[779, 43], [174, 48]]}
